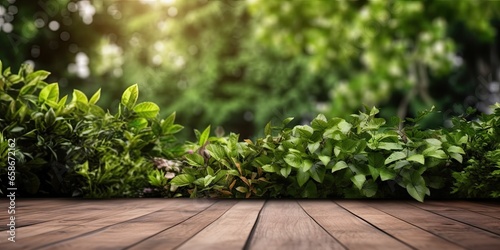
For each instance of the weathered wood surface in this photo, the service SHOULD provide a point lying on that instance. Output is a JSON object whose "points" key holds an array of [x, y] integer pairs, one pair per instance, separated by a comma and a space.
{"points": [[251, 224]]}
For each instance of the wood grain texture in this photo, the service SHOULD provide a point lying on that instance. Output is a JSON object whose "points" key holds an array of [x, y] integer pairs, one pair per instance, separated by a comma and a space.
{"points": [[230, 231], [403, 231], [285, 225], [252, 224], [134, 230], [478, 220], [177, 235], [454, 231], [351, 231]]}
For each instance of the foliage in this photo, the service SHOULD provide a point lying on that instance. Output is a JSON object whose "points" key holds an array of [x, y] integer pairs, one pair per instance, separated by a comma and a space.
{"points": [[75, 147], [357, 157], [479, 176], [236, 64]]}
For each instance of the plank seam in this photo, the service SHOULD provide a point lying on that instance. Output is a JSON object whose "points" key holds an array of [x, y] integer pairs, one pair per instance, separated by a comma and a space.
{"points": [[96, 231], [171, 226], [378, 228], [184, 242], [463, 222], [254, 227], [437, 235], [317, 223]]}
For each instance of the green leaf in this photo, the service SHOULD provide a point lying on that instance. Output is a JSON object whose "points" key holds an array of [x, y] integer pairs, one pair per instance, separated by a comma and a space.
{"points": [[373, 172], [302, 177], [303, 131], [376, 159], [344, 126], [176, 128], [319, 123], [204, 136], [267, 129], [317, 172], [387, 174], [339, 166], [457, 157], [49, 93], [286, 171], [216, 151], [147, 109], [168, 122], [37, 76], [416, 188], [358, 180], [182, 180], [394, 157], [325, 159], [310, 191], [369, 188], [455, 149], [390, 146], [313, 146], [268, 168], [195, 160], [293, 160], [434, 142], [439, 154], [95, 97], [80, 100], [400, 164], [417, 158], [138, 123], [286, 121], [129, 96], [50, 117]]}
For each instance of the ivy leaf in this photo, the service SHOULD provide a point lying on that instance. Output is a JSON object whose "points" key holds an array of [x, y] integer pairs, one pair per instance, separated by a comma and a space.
{"points": [[358, 180], [147, 109], [302, 177], [339, 166], [417, 158], [394, 157]]}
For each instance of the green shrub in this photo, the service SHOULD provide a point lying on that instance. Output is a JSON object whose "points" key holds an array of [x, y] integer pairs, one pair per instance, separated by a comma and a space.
{"points": [[77, 148]]}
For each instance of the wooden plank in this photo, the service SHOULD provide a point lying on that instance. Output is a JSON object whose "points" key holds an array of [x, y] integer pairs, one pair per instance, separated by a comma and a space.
{"points": [[400, 229], [351, 231], [285, 225], [465, 216], [177, 235], [45, 233], [471, 206], [131, 231], [230, 231], [459, 233]]}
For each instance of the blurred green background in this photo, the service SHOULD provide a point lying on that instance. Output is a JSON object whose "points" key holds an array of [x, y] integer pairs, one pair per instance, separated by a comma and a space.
{"points": [[239, 64]]}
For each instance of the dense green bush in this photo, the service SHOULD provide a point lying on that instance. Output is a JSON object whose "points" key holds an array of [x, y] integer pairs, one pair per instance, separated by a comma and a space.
{"points": [[77, 148]]}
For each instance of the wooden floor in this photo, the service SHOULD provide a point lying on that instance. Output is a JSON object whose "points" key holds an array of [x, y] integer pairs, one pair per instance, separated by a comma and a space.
{"points": [[251, 224]]}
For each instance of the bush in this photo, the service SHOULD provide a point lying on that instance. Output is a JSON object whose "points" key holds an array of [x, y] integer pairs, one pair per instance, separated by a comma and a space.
{"points": [[79, 149]]}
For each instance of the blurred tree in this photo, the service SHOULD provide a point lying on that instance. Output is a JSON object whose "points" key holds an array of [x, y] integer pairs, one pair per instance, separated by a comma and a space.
{"points": [[238, 64]]}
